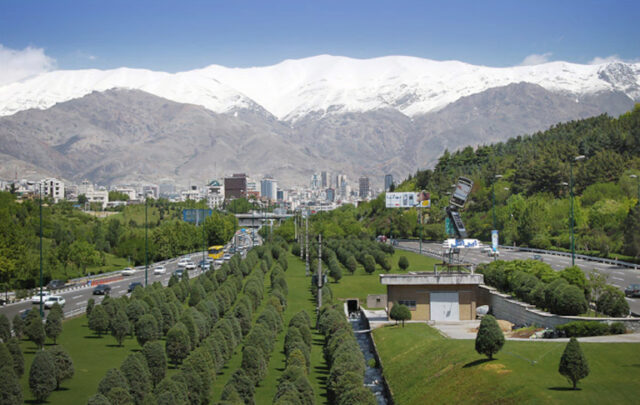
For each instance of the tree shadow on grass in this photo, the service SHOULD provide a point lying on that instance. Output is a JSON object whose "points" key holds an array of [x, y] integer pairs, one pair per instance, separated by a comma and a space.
{"points": [[563, 389], [322, 369], [477, 362], [114, 345], [93, 337]]}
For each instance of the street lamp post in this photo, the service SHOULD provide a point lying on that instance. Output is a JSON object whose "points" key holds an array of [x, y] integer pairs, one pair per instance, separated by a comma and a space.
{"points": [[573, 242], [41, 310], [493, 194], [146, 242]]}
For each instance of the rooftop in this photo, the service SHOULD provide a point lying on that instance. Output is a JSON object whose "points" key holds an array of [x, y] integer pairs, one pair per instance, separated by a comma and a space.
{"points": [[440, 278]]}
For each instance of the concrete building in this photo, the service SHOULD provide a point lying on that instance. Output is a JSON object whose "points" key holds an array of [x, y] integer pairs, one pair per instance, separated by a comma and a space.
{"points": [[388, 181], [269, 188], [215, 194], [331, 195], [191, 194], [130, 192], [151, 190], [364, 190], [444, 296], [100, 195], [53, 188], [325, 179], [235, 186]]}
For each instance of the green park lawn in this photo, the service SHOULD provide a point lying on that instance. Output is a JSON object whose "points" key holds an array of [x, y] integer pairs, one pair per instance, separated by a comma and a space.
{"points": [[361, 284], [423, 367]]}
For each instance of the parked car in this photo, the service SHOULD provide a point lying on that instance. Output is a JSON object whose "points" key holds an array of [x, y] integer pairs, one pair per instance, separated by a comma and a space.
{"points": [[55, 284], [538, 257], [183, 262], [190, 266], [36, 298], [159, 270], [25, 313], [129, 271], [52, 299], [632, 290], [204, 265], [218, 262], [102, 289], [226, 257], [178, 273], [133, 286]]}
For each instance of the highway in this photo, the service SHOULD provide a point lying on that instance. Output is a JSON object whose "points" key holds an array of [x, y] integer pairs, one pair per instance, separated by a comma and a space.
{"points": [[76, 297], [617, 276]]}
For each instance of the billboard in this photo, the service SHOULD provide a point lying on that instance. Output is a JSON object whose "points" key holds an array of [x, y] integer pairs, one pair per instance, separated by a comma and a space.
{"points": [[460, 194], [407, 200], [494, 240], [195, 216]]}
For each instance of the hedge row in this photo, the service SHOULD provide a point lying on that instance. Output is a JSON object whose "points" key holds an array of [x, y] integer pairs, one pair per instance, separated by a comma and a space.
{"points": [[590, 328], [259, 342], [201, 337], [294, 386], [346, 362]]}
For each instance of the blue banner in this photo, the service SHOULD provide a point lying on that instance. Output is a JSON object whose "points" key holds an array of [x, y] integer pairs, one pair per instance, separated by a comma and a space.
{"points": [[195, 216]]}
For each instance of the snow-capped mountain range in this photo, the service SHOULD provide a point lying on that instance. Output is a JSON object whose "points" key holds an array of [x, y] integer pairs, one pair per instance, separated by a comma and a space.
{"points": [[323, 84]]}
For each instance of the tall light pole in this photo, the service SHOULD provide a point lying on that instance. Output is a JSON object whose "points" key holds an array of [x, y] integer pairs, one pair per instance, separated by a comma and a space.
{"points": [[493, 198], [146, 242], [573, 242], [41, 310], [635, 176], [319, 271]]}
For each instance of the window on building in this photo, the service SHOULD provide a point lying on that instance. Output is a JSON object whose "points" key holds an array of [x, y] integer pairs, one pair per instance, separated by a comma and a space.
{"points": [[411, 304]]}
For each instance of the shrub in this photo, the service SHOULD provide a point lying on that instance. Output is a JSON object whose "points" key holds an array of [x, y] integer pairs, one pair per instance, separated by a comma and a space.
{"points": [[63, 364], [5, 328], [369, 264], [573, 364], [295, 249], [400, 313], [612, 302], [13, 345], [490, 338], [583, 328], [570, 301], [403, 262], [42, 375], [18, 326], [351, 264]]}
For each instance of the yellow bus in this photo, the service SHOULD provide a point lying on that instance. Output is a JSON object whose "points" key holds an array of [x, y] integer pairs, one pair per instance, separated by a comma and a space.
{"points": [[216, 252]]}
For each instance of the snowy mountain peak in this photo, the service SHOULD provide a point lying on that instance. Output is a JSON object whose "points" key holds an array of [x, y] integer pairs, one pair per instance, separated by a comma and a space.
{"points": [[323, 84]]}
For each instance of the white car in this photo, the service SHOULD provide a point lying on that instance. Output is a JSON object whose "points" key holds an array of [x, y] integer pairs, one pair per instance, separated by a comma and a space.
{"points": [[36, 298], [129, 271], [52, 299], [183, 262], [226, 257], [190, 266], [159, 270], [218, 262], [486, 249]]}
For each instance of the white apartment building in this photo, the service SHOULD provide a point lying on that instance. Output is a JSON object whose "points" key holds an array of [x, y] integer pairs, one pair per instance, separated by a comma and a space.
{"points": [[100, 196], [53, 188]]}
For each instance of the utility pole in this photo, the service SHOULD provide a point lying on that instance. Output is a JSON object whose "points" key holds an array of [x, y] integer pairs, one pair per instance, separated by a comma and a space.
{"points": [[319, 271], [146, 243], [420, 229], [41, 310], [204, 242]]}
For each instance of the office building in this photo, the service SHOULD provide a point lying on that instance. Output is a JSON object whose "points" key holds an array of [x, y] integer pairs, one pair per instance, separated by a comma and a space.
{"points": [[235, 186], [364, 187], [388, 181], [269, 189]]}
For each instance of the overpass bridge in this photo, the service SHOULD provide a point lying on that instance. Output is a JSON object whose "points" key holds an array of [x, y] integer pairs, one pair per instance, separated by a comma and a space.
{"points": [[258, 219]]}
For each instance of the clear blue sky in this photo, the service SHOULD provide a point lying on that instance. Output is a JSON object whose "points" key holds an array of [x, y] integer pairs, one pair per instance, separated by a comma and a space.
{"points": [[182, 35]]}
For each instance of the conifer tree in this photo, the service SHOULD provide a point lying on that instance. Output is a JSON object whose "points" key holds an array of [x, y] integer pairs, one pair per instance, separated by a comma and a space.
{"points": [[573, 364], [490, 338]]}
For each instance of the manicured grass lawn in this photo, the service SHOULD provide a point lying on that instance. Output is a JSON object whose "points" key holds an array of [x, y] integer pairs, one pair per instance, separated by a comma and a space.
{"points": [[423, 367], [92, 357], [361, 284]]}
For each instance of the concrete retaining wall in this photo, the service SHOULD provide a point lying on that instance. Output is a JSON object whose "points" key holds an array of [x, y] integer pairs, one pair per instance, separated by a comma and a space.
{"points": [[377, 301], [502, 306]]}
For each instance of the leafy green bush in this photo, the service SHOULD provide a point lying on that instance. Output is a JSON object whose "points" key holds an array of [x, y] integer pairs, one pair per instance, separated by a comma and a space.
{"points": [[583, 328]]}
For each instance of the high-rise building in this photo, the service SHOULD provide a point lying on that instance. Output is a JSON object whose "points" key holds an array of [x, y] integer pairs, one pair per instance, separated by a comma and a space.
{"points": [[235, 186], [325, 179], [331, 195], [341, 186], [364, 187], [315, 181], [269, 188], [388, 181]]}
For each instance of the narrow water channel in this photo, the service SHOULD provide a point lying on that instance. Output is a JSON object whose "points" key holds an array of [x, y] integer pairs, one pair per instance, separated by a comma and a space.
{"points": [[372, 375]]}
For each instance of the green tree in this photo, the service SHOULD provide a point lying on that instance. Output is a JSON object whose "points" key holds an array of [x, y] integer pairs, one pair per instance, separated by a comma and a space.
{"points": [[573, 364], [120, 326], [119, 396], [18, 326], [135, 370], [98, 399], [83, 254], [351, 264], [400, 313], [35, 330], [99, 320], [53, 325], [112, 379], [403, 263], [146, 329], [13, 345], [178, 343], [254, 364], [91, 303], [63, 363], [612, 302], [490, 338], [369, 264], [10, 389], [632, 232], [42, 375], [156, 360], [5, 328]]}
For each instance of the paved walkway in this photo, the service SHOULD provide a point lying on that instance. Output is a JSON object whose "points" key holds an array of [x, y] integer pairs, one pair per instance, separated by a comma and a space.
{"points": [[467, 330]]}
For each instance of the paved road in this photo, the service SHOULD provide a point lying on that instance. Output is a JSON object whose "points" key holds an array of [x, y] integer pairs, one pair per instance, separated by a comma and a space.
{"points": [[76, 297], [617, 276]]}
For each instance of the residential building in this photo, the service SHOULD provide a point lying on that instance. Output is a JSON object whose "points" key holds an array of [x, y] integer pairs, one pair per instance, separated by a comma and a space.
{"points": [[53, 188], [325, 179], [151, 190], [269, 189], [130, 192], [191, 194], [235, 186], [331, 194], [215, 194], [100, 196]]}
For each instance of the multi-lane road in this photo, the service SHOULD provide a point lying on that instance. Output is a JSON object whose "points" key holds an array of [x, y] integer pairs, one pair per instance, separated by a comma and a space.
{"points": [[76, 297], [617, 276]]}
